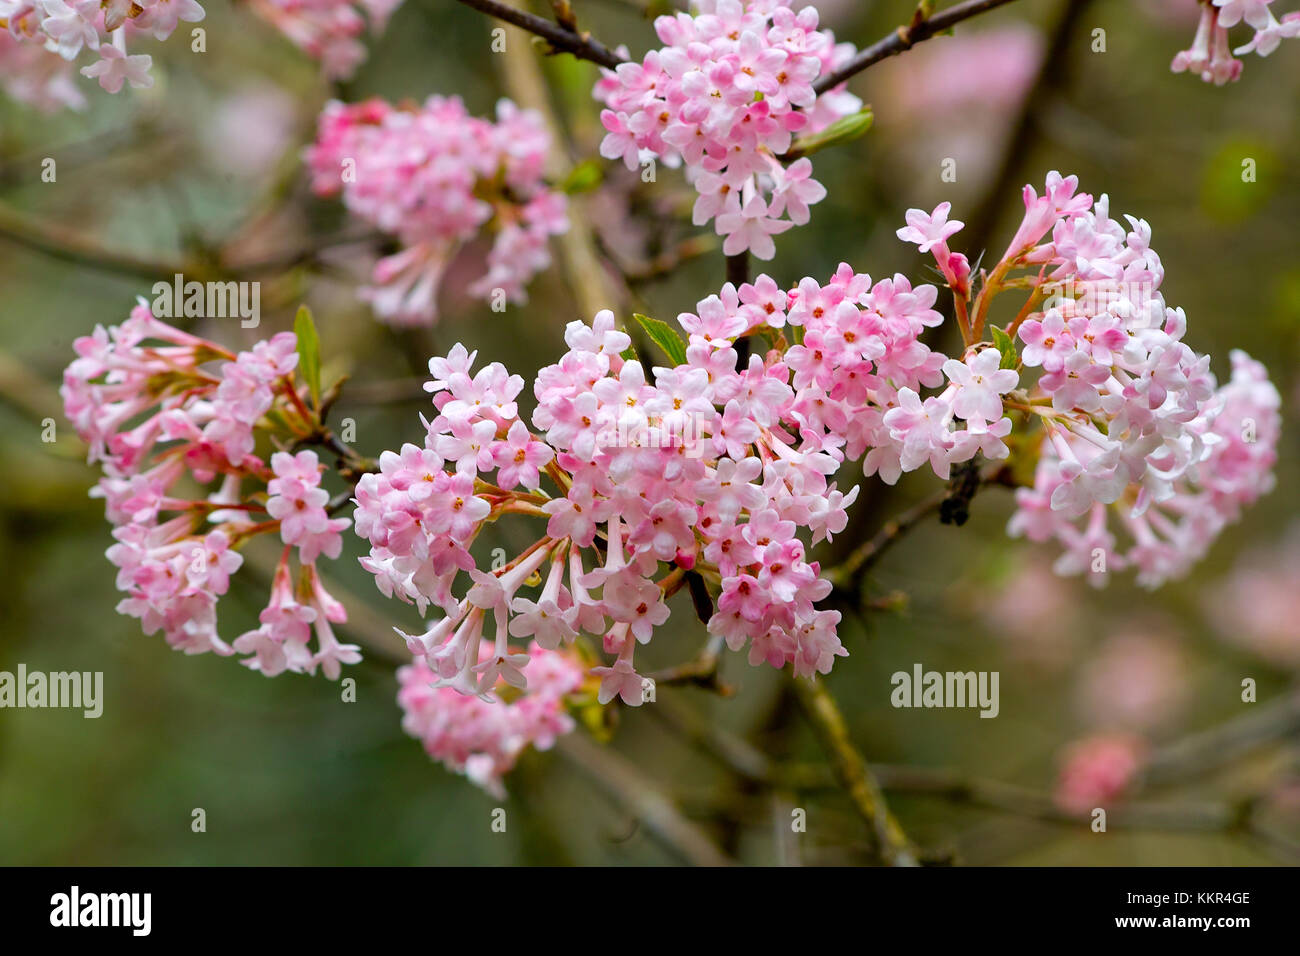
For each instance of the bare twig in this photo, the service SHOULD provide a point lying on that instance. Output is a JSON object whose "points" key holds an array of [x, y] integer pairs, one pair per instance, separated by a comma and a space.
{"points": [[623, 781], [906, 37], [585, 272], [582, 45], [887, 837]]}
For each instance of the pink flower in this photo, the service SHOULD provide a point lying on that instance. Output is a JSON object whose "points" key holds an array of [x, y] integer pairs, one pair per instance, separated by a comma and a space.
{"points": [[620, 681], [980, 384], [435, 177], [116, 68], [928, 231], [519, 457], [299, 503]]}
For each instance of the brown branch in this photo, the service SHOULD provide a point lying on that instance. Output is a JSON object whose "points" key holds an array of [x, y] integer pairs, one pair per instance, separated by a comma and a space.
{"points": [[847, 576], [906, 37], [71, 247], [888, 840], [624, 782], [567, 40]]}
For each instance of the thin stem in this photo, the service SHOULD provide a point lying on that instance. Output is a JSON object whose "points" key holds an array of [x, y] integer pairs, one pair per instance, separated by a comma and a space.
{"points": [[906, 37], [582, 45], [849, 573], [887, 837]]}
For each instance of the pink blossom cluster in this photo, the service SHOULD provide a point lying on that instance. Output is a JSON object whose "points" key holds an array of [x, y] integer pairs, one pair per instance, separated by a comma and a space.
{"points": [[33, 75], [1238, 430], [1131, 416], [699, 468], [724, 95], [435, 177], [99, 30], [691, 471], [483, 738], [1211, 54], [328, 30], [164, 411]]}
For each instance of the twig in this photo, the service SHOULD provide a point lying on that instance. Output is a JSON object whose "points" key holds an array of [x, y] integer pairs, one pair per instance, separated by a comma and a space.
{"points": [[906, 37], [69, 246], [584, 271], [847, 575], [888, 839], [623, 781], [582, 45], [1221, 745]]}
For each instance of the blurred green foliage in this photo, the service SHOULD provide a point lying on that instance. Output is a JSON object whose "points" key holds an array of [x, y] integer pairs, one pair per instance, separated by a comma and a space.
{"points": [[287, 773]]}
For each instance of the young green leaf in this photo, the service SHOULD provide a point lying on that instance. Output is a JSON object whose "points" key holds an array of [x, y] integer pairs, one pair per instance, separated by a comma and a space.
{"points": [[843, 130], [664, 336], [584, 177], [308, 352], [1006, 347]]}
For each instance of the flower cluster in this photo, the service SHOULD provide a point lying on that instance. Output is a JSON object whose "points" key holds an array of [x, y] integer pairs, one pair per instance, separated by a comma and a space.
{"points": [[72, 28], [724, 95], [480, 738], [1211, 55], [31, 74], [701, 468], [328, 30], [162, 411], [1131, 416], [434, 177]]}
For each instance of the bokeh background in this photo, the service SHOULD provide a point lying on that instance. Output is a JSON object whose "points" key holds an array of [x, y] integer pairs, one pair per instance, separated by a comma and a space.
{"points": [[289, 774]]}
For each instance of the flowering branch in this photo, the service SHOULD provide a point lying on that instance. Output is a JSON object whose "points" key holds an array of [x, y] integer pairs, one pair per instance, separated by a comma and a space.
{"points": [[906, 37]]}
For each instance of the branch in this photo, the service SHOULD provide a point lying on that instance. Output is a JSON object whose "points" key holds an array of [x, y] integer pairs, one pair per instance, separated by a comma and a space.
{"points": [[848, 575], [1214, 748], [584, 271], [565, 39], [71, 247], [951, 503], [906, 37], [888, 838], [624, 782]]}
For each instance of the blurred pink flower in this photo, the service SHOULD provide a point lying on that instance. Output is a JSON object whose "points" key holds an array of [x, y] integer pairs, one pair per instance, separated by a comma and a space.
{"points": [[1097, 770], [250, 130], [1137, 681], [1035, 613], [1258, 604], [995, 68], [928, 113]]}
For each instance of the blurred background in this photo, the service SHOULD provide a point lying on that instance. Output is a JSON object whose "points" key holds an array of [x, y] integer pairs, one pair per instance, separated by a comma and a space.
{"points": [[205, 167]]}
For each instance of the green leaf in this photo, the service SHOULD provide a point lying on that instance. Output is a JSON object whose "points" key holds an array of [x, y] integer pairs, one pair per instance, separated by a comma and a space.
{"points": [[308, 352], [664, 336], [844, 130], [584, 177], [1010, 358]]}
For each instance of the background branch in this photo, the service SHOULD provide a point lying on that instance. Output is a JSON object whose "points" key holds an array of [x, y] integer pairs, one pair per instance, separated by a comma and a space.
{"points": [[906, 37]]}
